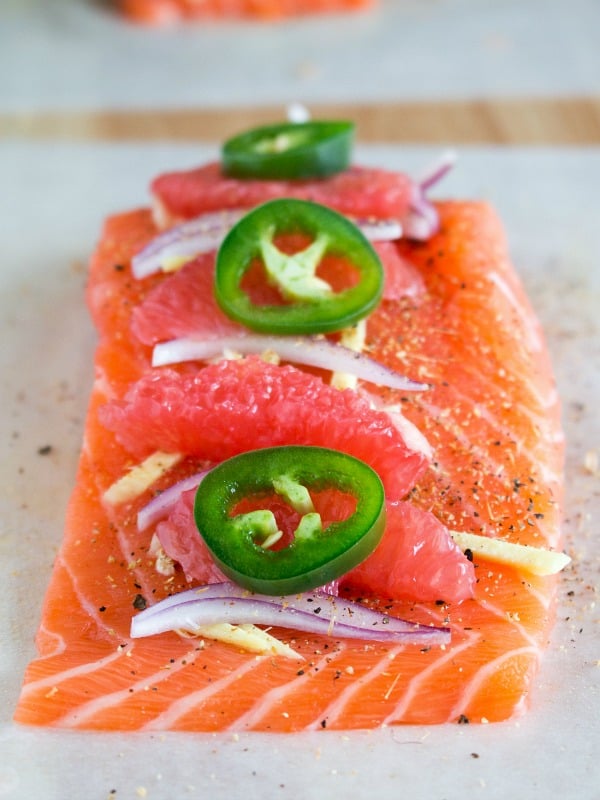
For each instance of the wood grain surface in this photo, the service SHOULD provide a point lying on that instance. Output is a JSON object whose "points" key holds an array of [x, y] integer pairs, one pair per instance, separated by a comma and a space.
{"points": [[572, 121]]}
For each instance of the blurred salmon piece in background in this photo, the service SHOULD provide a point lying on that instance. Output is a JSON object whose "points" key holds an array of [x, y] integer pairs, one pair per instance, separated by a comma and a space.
{"points": [[162, 12]]}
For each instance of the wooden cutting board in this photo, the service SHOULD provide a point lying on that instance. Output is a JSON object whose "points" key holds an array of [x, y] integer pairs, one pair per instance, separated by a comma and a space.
{"points": [[571, 121]]}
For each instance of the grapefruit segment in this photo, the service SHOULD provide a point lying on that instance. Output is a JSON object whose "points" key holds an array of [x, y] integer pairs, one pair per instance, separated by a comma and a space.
{"points": [[181, 305], [234, 406], [358, 191], [416, 559]]}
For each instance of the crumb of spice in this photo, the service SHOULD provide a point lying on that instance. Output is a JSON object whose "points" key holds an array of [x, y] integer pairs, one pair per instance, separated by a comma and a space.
{"points": [[590, 462], [139, 602]]}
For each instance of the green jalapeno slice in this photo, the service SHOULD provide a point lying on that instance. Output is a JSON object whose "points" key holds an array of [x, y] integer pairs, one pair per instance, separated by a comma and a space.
{"points": [[309, 304], [290, 151], [241, 545]]}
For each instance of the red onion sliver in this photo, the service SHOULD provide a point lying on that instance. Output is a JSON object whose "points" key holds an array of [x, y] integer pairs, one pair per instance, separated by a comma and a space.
{"points": [[422, 220], [187, 240], [316, 352], [438, 170], [312, 612], [160, 506], [416, 228], [205, 233], [379, 230]]}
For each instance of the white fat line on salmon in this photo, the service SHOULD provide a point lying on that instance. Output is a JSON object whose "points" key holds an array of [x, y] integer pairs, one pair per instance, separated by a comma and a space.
{"points": [[418, 680], [334, 710], [441, 417], [538, 457], [550, 478], [544, 601], [544, 397], [179, 708], [91, 609], [129, 545], [73, 672], [473, 686], [60, 647], [519, 377], [277, 695], [546, 432], [541, 422], [524, 313], [468, 508], [491, 466], [511, 618], [79, 715]]}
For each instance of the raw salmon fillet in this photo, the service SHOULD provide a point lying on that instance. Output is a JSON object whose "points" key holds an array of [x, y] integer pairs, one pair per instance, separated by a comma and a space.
{"points": [[161, 12], [493, 422]]}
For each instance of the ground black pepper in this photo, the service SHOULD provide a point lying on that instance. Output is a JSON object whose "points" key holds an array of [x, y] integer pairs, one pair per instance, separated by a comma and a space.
{"points": [[139, 602]]}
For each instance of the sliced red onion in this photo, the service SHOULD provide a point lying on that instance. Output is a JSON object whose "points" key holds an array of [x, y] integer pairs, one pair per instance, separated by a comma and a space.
{"points": [[187, 240], [422, 220], [438, 170], [205, 233], [312, 612], [378, 230], [160, 506], [315, 352]]}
